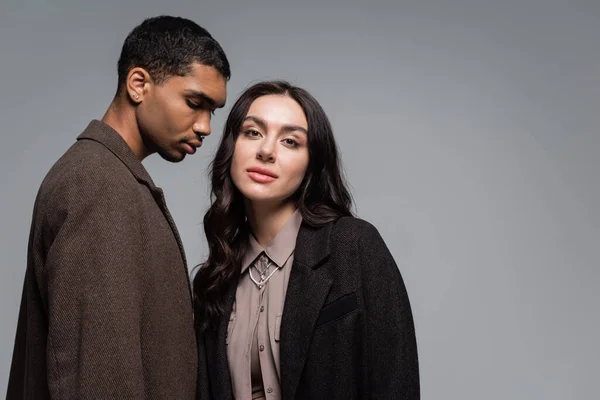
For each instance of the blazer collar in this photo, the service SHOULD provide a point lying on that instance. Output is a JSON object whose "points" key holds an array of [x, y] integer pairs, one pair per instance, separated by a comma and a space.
{"points": [[312, 245]]}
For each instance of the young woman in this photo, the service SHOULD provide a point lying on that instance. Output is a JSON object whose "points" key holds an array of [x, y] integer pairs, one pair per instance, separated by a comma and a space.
{"points": [[297, 299]]}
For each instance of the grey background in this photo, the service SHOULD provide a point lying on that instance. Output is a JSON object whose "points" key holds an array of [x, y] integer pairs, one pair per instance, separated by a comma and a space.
{"points": [[469, 134]]}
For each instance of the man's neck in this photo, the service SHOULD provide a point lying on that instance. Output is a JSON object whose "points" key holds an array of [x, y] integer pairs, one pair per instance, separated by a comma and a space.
{"points": [[121, 117]]}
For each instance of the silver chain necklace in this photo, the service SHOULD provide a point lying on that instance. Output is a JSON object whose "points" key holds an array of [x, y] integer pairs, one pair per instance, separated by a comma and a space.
{"points": [[263, 277]]}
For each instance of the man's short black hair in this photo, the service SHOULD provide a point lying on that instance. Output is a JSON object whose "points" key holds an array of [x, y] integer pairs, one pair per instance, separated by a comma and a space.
{"points": [[167, 46]]}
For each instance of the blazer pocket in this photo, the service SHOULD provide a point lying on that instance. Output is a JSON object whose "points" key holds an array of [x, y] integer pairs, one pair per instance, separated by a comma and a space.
{"points": [[337, 308]]}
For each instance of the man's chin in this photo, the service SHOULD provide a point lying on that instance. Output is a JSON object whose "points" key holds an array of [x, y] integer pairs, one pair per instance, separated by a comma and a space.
{"points": [[172, 156]]}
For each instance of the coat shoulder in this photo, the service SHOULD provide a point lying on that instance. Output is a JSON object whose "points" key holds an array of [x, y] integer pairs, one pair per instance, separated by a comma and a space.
{"points": [[355, 229], [87, 174], [87, 163], [352, 232], [86, 169]]}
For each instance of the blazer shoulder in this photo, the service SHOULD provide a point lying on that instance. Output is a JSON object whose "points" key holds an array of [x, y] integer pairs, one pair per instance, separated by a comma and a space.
{"points": [[355, 229], [355, 225]]}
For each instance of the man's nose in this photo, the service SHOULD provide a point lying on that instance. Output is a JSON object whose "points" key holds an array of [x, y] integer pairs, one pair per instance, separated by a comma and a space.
{"points": [[202, 125]]}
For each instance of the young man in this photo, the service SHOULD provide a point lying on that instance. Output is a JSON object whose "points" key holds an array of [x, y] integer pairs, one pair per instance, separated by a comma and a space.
{"points": [[106, 311]]}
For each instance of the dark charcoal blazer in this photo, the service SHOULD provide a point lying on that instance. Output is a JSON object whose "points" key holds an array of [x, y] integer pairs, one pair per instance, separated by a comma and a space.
{"points": [[347, 329]]}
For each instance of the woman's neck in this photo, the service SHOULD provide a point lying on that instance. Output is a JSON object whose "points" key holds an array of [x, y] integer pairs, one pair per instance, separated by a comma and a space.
{"points": [[266, 220]]}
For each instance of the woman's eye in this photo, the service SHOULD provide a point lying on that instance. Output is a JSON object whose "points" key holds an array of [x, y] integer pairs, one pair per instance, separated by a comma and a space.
{"points": [[252, 133], [290, 142]]}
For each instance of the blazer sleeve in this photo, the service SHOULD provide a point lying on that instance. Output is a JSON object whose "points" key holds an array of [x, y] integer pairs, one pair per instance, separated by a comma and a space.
{"points": [[91, 279], [391, 352]]}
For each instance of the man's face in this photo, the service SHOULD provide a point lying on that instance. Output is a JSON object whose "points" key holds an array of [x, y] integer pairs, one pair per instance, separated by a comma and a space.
{"points": [[175, 115]]}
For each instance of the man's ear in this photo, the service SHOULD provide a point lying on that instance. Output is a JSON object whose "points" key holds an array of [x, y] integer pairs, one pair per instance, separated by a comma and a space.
{"points": [[137, 84]]}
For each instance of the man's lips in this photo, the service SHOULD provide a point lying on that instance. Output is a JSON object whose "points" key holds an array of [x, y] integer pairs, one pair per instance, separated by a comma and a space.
{"points": [[191, 145]]}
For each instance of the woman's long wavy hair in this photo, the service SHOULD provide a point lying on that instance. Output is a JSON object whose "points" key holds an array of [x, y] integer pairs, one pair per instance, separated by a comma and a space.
{"points": [[321, 198]]}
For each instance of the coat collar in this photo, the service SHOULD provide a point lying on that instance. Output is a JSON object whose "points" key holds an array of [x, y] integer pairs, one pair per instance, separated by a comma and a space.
{"points": [[102, 133]]}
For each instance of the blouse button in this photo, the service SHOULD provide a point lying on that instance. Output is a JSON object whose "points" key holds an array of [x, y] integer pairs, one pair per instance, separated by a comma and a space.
{"points": [[262, 348]]}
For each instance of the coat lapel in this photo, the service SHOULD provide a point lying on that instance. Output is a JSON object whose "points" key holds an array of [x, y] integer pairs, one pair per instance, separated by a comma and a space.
{"points": [[102, 133], [159, 197], [307, 290]]}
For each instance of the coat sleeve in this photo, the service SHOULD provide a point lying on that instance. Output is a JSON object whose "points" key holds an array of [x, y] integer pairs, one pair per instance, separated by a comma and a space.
{"points": [[391, 351], [91, 280]]}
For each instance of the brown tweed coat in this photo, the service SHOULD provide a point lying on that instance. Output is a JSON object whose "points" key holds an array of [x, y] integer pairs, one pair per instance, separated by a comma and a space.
{"points": [[106, 311]]}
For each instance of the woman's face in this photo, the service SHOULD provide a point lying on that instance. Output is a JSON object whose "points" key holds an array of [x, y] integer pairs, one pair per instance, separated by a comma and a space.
{"points": [[271, 150]]}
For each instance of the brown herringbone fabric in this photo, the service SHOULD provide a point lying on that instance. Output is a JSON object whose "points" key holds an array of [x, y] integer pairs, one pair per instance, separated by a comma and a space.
{"points": [[106, 311]]}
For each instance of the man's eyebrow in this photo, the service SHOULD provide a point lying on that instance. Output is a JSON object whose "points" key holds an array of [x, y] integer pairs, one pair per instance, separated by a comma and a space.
{"points": [[262, 124], [204, 97]]}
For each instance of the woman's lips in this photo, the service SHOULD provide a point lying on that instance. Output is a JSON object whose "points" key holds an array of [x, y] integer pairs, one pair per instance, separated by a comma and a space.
{"points": [[261, 175]]}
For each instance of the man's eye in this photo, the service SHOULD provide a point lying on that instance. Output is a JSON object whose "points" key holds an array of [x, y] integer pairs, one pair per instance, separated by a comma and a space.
{"points": [[193, 105]]}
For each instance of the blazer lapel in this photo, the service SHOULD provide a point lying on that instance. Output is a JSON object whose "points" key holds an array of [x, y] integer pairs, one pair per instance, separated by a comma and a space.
{"points": [[307, 290], [216, 351]]}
